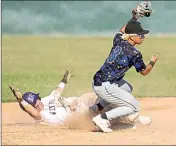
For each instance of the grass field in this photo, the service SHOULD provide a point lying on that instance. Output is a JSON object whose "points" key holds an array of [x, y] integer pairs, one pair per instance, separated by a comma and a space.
{"points": [[38, 63]]}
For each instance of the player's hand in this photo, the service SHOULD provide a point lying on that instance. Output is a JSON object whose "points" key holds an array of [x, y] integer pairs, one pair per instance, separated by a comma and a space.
{"points": [[67, 75], [16, 93], [144, 9], [154, 58]]}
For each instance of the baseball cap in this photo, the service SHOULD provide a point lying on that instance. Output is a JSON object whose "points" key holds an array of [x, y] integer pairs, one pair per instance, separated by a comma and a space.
{"points": [[31, 98], [135, 28]]}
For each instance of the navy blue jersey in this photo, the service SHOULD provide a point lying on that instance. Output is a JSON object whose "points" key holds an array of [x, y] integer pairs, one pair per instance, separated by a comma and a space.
{"points": [[121, 58]]}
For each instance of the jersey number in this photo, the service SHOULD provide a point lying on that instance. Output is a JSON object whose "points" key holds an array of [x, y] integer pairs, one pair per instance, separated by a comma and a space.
{"points": [[52, 107], [114, 53]]}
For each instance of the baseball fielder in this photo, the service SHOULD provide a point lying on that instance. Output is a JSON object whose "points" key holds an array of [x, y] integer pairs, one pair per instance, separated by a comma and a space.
{"points": [[108, 82]]}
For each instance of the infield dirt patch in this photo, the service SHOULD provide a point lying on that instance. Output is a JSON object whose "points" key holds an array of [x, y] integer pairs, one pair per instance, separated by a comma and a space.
{"points": [[18, 128]]}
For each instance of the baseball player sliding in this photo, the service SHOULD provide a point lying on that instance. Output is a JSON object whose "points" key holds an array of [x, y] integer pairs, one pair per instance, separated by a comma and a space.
{"points": [[54, 109], [108, 82], [46, 109]]}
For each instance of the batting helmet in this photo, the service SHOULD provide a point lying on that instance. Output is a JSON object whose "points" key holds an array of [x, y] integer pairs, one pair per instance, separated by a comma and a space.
{"points": [[30, 98]]}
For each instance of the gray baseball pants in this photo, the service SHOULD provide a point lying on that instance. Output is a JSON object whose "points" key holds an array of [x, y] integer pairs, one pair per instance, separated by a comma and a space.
{"points": [[118, 97]]}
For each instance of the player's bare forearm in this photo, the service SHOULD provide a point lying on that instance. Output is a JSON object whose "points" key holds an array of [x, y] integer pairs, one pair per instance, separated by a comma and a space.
{"points": [[31, 110], [149, 67], [147, 70]]}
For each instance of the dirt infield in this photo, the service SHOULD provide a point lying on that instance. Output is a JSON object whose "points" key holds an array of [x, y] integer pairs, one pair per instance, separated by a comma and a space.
{"points": [[19, 129]]}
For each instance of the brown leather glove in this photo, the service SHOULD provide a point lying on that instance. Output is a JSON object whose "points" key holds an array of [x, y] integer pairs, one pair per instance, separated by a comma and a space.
{"points": [[67, 75], [16, 93]]}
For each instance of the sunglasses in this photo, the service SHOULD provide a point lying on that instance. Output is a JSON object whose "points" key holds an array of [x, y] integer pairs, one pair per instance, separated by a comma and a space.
{"points": [[141, 36]]}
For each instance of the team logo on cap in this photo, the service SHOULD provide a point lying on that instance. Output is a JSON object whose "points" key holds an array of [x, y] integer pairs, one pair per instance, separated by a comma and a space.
{"points": [[31, 97]]}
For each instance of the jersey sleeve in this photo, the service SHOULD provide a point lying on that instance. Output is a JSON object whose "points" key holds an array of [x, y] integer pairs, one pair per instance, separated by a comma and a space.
{"points": [[138, 62], [117, 38], [52, 96]]}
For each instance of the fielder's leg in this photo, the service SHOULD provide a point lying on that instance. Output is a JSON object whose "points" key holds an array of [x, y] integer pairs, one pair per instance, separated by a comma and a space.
{"points": [[125, 103], [122, 84]]}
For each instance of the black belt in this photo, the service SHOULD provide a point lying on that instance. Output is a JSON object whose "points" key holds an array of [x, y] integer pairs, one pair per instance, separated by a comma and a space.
{"points": [[111, 82], [97, 84]]}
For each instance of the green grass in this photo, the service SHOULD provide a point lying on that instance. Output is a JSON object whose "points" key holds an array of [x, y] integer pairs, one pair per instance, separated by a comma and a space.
{"points": [[37, 64]]}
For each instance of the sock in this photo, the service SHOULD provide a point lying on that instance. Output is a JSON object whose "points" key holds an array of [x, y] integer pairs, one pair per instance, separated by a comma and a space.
{"points": [[100, 108], [104, 116]]}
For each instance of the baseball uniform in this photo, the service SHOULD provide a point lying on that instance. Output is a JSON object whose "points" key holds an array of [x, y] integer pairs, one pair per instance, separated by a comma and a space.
{"points": [[106, 81]]}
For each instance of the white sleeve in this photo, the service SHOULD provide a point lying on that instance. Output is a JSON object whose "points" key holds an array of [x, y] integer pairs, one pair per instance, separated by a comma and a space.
{"points": [[53, 95]]}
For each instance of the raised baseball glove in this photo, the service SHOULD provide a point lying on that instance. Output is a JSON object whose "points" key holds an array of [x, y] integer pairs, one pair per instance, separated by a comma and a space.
{"points": [[16, 93], [67, 75], [144, 9]]}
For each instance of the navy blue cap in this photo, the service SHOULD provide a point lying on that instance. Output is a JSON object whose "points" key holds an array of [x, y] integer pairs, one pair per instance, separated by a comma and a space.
{"points": [[31, 98]]}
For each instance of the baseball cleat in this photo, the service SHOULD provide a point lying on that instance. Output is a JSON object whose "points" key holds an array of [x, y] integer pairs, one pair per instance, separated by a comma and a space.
{"points": [[103, 124]]}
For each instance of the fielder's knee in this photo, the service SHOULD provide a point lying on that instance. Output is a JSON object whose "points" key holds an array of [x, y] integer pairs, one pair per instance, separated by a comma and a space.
{"points": [[127, 87], [130, 87], [136, 107]]}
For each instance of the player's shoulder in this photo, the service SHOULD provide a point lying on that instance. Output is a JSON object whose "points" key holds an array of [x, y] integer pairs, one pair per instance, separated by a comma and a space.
{"points": [[118, 35], [117, 38], [118, 41], [46, 100], [136, 52]]}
